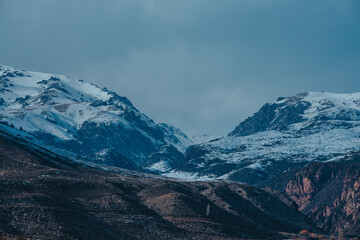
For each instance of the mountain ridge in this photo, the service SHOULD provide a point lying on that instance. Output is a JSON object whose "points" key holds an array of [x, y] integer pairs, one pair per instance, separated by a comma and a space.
{"points": [[81, 117], [106, 128], [288, 133]]}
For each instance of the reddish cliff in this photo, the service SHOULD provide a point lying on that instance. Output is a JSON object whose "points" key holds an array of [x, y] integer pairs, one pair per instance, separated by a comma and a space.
{"points": [[328, 193]]}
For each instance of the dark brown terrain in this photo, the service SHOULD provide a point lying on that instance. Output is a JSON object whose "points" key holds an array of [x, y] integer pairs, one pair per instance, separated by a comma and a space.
{"points": [[45, 196]]}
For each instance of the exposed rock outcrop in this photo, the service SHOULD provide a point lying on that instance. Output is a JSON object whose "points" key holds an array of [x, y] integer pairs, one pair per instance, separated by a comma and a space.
{"points": [[329, 194]]}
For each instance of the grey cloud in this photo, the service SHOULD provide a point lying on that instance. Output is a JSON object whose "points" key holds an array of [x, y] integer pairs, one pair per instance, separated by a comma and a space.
{"points": [[201, 65]]}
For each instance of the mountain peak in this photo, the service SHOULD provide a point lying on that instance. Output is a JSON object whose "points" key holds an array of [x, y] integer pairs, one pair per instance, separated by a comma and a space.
{"points": [[308, 111], [282, 135], [73, 113]]}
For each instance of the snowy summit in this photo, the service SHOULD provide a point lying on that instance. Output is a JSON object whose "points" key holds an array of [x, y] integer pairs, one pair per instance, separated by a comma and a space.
{"points": [[81, 117]]}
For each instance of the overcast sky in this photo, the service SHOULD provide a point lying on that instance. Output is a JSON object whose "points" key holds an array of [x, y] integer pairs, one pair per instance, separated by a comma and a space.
{"points": [[201, 65]]}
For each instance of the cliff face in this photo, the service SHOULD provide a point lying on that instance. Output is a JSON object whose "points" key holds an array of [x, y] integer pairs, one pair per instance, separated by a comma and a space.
{"points": [[329, 194], [310, 181]]}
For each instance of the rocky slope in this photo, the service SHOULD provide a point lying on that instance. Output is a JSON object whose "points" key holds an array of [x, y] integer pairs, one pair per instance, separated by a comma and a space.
{"points": [[281, 136], [48, 196], [329, 194], [82, 118]]}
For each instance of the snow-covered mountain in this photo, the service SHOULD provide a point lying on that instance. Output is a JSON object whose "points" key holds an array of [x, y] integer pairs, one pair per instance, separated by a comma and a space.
{"points": [[288, 133], [82, 118], [99, 125]]}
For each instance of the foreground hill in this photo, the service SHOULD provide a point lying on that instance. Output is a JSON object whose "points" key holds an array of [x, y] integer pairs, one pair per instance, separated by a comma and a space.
{"points": [[47, 196], [82, 118], [281, 136]]}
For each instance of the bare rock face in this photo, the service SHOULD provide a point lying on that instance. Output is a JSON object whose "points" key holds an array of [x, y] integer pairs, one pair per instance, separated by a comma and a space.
{"points": [[47, 196], [328, 193], [309, 181]]}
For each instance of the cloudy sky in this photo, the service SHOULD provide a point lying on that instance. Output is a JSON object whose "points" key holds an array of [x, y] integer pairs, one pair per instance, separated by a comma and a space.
{"points": [[201, 65]]}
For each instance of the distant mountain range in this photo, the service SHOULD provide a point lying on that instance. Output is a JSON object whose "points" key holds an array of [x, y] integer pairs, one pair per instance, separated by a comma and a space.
{"points": [[103, 127]]}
